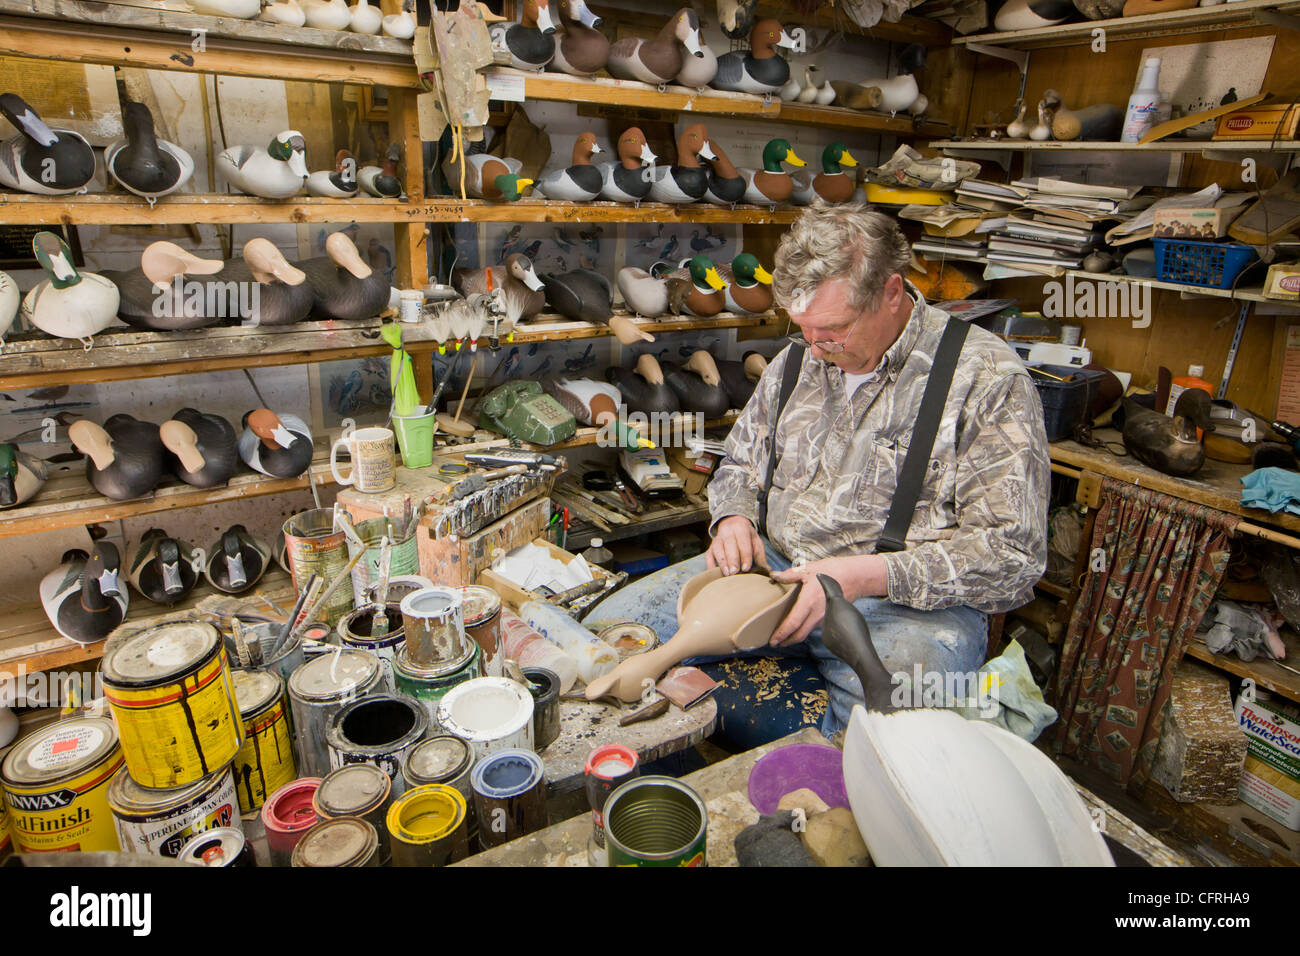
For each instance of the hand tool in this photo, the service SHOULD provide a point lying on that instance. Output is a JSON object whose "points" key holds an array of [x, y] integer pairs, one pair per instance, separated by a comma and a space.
{"points": [[535, 460], [379, 623]]}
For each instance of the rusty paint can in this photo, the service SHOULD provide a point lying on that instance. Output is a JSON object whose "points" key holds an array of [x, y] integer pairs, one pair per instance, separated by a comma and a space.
{"points": [[426, 827], [318, 690], [161, 822], [404, 559], [345, 841], [429, 685], [287, 815], [224, 846], [173, 699], [314, 547], [378, 729], [56, 786], [359, 790], [655, 821], [509, 796], [435, 627], [265, 762], [356, 629], [481, 610]]}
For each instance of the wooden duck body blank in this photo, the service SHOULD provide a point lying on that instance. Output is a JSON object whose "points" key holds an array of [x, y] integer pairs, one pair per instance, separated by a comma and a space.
{"points": [[161, 569], [161, 295], [342, 285], [125, 457], [643, 292], [205, 447], [85, 598]]}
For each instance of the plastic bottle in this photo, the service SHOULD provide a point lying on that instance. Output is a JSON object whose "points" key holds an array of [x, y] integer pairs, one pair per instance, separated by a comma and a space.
{"points": [[1183, 382], [598, 554], [594, 657], [1144, 104], [527, 648]]}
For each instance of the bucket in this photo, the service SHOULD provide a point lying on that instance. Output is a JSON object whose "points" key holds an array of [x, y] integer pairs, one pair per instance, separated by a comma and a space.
{"points": [[404, 560], [161, 822], [379, 729], [481, 612], [655, 821], [415, 439], [359, 790], [287, 815], [426, 827], [429, 685], [509, 796], [356, 629], [434, 626], [489, 714], [317, 691], [346, 841], [313, 546], [546, 705], [265, 762]]}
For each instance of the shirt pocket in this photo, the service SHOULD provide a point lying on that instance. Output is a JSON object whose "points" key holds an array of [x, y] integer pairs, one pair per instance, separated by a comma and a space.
{"points": [[877, 491], [791, 461]]}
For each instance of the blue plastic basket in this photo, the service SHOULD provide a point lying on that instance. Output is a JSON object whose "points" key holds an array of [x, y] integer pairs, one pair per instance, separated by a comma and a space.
{"points": [[1212, 264]]}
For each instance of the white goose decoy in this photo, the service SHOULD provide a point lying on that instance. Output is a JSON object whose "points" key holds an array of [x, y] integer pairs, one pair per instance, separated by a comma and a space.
{"points": [[277, 172], [10, 299], [808, 88], [327, 14], [363, 18], [42, 160], [239, 9], [68, 304], [142, 163], [789, 93], [288, 12], [401, 25]]}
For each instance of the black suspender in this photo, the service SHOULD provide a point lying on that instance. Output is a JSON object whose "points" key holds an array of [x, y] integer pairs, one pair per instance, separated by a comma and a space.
{"points": [[789, 376]]}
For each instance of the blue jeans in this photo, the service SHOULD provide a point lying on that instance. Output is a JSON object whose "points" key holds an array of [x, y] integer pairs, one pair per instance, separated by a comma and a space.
{"points": [[947, 640]]}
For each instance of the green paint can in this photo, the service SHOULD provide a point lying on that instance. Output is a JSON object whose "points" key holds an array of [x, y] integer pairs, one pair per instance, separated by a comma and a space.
{"points": [[429, 685], [655, 821]]}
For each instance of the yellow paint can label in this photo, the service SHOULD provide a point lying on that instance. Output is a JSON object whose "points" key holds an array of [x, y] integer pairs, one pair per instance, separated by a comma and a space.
{"points": [[265, 762]]}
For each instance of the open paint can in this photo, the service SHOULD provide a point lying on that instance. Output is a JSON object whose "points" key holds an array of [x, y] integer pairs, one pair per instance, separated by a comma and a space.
{"points": [[356, 629], [320, 689], [435, 627], [509, 796], [224, 846], [287, 815], [426, 827], [161, 822], [265, 762], [655, 821], [399, 586], [346, 841], [629, 638], [546, 705], [429, 685], [489, 714], [447, 760], [358, 790], [378, 729], [608, 768], [403, 560], [481, 610], [283, 659], [315, 547]]}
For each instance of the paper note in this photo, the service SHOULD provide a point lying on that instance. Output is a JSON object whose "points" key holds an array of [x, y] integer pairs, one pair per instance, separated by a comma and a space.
{"points": [[502, 87]]}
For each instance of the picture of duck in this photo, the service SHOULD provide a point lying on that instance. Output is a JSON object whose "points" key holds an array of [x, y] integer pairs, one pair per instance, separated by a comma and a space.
{"points": [[276, 445], [586, 296], [643, 388], [42, 160], [748, 285], [21, 475], [382, 182], [761, 69], [686, 180], [771, 184], [84, 597], [489, 177], [68, 304], [1169, 445], [741, 378], [644, 292], [520, 288], [160, 295], [288, 12], [401, 25], [161, 569], [10, 301], [326, 14], [531, 41], [236, 562], [657, 61], [705, 297], [628, 179], [277, 172], [831, 184], [343, 286], [698, 385], [726, 185], [204, 447], [339, 182], [579, 182], [125, 457], [581, 49], [283, 295], [363, 18], [144, 164]]}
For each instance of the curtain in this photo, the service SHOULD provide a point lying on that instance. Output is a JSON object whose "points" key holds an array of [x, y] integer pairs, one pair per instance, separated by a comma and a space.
{"points": [[1160, 562]]}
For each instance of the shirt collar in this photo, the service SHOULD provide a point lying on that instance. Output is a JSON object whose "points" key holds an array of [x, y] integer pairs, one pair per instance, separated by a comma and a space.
{"points": [[897, 353]]}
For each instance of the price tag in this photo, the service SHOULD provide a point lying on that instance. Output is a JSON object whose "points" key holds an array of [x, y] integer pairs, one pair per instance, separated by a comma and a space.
{"points": [[505, 87]]}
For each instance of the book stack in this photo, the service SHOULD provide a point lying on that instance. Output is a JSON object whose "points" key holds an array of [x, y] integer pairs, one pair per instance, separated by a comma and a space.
{"points": [[1058, 222]]}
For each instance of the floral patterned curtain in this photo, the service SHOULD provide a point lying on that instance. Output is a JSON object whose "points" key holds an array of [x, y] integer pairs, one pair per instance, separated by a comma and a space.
{"points": [[1160, 562]]}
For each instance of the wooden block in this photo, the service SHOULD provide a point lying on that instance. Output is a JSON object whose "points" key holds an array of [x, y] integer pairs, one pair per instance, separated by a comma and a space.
{"points": [[1202, 750], [832, 839], [460, 561], [512, 595]]}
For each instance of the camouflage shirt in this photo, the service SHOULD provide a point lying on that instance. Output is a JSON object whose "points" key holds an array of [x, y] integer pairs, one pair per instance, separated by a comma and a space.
{"points": [[979, 534]]}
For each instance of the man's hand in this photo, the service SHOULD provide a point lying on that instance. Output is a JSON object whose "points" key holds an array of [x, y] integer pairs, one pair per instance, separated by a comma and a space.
{"points": [[736, 546], [859, 576]]}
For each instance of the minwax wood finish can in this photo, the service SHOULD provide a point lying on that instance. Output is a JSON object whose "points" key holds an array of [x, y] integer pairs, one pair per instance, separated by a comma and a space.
{"points": [[56, 787], [481, 608], [345, 841], [426, 827], [655, 821], [265, 762], [173, 699], [6, 841], [320, 689], [378, 729], [287, 815], [161, 822], [359, 790]]}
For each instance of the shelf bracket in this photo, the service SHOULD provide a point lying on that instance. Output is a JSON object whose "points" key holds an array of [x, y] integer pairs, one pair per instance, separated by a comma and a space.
{"points": [[1019, 57], [1284, 20]]}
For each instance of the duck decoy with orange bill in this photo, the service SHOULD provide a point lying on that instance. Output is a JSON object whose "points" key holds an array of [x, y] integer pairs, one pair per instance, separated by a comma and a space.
{"points": [[125, 456], [657, 61], [596, 404], [343, 286], [382, 181], [832, 184], [488, 177], [276, 445], [760, 69], [581, 49], [579, 182], [628, 180], [144, 164], [339, 182], [686, 180], [40, 159], [698, 385], [85, 597], [205, 447], [21, 475], [643, 387], [771, 184], [531, 41], [587, 296], [277, 172], [749, 285], [726, 185], [237, 561], [160, 295], [68, 304], [741, 378], [282, 293], [1170, 445], [161, 568], [705, 297]]}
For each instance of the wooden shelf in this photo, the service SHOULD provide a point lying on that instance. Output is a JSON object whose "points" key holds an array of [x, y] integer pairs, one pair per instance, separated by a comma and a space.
{"points": [[909, 28], [1160, 146], [1268, 674], [899, 124], [1054, 589]]}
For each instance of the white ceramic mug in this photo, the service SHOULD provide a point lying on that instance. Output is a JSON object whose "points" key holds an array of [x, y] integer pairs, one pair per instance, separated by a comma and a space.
{"points": [[373, 465]]}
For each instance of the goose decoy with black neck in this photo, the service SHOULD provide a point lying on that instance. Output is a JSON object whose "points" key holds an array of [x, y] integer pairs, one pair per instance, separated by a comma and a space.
{"points": [[760, 69], [628, 180], [643, 387], [160, 295], [748, 285], [381, 181], [771, 184], [236, 562], [741, 378], [686, 180], [276, 445], [125, 457], [68, 304], [161, 568], [488, 177], [846, 635], [1171, 445], [587, 296], [832, 184], [698, 385], [84, 597], [143, 163], [579, 182], [339, 182], [42, 160], [277, 172], [283, 294], [658, 61], [726, 185], [522, 292], [342, 285], [21, 475], [205, 447], [705, 296], [581, 49], [531, 41]]}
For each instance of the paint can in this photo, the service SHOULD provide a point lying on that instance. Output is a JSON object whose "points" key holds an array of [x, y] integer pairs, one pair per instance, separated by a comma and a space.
{"points": [[359, 790], [379, 729], [655, 821], [6, 840], [509, 796], [317, 691], [447, 760], [426, 827], [56, 786], [345, 841], [490, 714], [265, 763], [287, 815], [224, 846], [481, 610], [608, 767], [435, 627], [546, 705], [429, 685], [629, 638], [314, 547], [356, 629], [404, 559], [173, 700], [399, 586], [267, 634], [161, 822]]}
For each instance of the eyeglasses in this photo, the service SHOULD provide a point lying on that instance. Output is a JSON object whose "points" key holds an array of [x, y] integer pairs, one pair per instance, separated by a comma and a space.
{"points": [[829, 346]]}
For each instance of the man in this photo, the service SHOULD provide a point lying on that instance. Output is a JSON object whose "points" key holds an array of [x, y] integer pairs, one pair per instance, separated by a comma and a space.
{"points": [[977, 541]]}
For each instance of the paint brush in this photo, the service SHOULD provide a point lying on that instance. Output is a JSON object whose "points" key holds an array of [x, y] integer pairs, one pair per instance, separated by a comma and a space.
{"points": [[323, 600], [297, 609], [379, 624]]}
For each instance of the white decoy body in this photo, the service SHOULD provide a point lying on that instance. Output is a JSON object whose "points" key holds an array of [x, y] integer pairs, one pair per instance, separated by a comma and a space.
{"points": [[239, 9], [85, 597], [10, 300], [277, 172], [143, 164], [339, 182], [327, 14], [363, 18], [401, 25], [68, 304], [288, 12]]}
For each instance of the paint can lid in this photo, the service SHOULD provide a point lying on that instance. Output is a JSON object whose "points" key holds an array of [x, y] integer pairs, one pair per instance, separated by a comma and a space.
{"points": [[218, 847], [437, 760], [334, 674], [345, 841], [629, 638], [255, 689], [290, 808], [160, 653], [352, 791], [612, 761], [507, 773], [486, 709], [61, 750], [480, 604], [436, 602], [125, 796]]}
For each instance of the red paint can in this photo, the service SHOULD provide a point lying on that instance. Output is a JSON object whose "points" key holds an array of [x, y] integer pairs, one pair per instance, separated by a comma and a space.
{"points": [[288, 814]]}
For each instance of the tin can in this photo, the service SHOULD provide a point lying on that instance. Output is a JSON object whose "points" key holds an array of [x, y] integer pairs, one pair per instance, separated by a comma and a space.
{"points": [[655, 821], [509, 796], [379, 729], [481, 609], [224, 846], [447, 760], [404, 558], [427, 826], [161, 822], [435, 627], [317, 691], [287, 815], [489, 714], [429, 685], [607, 768], [345, 841], [173, 700], [545, 689], [265, 762], [284, 661], [629, 638], [356, 629], [314, 547], [56, 786], [359, 790], [6, 840]]}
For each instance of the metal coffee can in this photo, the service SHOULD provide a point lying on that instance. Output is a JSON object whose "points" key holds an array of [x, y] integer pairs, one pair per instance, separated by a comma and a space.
{"points": [[287, 815], [435, 627], [265, 762], [607, 768], [359, 790], [426, 826], [224, 846], [160, 822], [509, 795], [345, 841], [320, 689], [379, 729], [481, 609], [655, 821]]}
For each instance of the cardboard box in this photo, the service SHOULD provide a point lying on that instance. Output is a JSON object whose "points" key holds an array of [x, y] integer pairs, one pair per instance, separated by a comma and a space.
{"points": [[1271, 781], [1283, 281], [1203, 223], [694, 472], [1259, 122], [513, 596]]}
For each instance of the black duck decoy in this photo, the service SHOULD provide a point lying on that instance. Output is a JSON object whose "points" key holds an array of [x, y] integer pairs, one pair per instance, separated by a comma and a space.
{"points": [[698, 385], [342, 285], [40, 159], [741, 378], [125, 457], [144, 164], [161, 295], [643, 387], [236, 562], [84, 597], [205, 447], [1169, 445], [161, 568], [846, 635], [283, 294]]}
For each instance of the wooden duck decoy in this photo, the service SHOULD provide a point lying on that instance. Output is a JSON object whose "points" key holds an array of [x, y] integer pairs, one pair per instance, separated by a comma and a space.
{"points": [[581, 49], [628, 180], [698, 71], [276, 445], [705, 297], [698, 385], [521, 290], [726, 185], [68, 304], [42, 160], [205, 447], [657, 61], [741, 378], [899, 93], [326, 14], [1170, 445], [531, 41], [144, 164], [158, 295], [339, 182], [342, 285], [11, 300], [161, 569], [277, 172], [236, 562], [771, 184], [21, 475], [686, 180], [381, 181], [489, 177], [596, 404], [587, 296], [284, 296], [760, 69], [643, 387], [748, 285], [83, 597], [644, 292], [288, 12], [363, 18], [832, 184], [125, 456], [401, 25], [579, 182], [239, 9]]}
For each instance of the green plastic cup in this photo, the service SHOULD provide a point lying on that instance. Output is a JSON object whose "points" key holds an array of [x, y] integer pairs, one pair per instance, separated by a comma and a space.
{"points": [[415, 439]]}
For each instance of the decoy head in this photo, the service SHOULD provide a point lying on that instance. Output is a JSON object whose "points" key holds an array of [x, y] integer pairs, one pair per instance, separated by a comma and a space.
{"points": [[266, 425], [538, 13], [163, 261], [180, 440], [754, 364], [578, 11], [846, 635], [105, 567], [911, 59], [137, 122], [1192, 411], [8, 474], [686, 28], [346, 165], [836, 155], [521, 267], [778, 151], [584, 148], [290, 147], [511, 186], [23, 117], [705, 366], [633, 149], [692, 144], [232, 554], [747, 270], [392, 156], [647, 366], [340, 247], [268, 264], [56, 259], [91, 439], [169, 565], [705, 274], [736, 17], [766, 36]]}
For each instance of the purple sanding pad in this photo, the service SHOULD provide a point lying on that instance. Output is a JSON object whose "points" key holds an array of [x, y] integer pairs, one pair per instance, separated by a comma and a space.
{"points": [[815, 766]]}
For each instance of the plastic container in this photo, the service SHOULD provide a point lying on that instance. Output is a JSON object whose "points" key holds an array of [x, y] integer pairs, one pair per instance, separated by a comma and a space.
{"points": [[1183, 382], [527, 648], [1144, 104], [593, 656], [598, 554], [1214, 265], [1065, 403]]}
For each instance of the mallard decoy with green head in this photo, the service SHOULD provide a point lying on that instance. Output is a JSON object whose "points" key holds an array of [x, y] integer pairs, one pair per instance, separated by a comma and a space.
{"points": [[748, 285], [705, 297], [832, 184], [489, 177], [21, 475], [771, 184]]}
